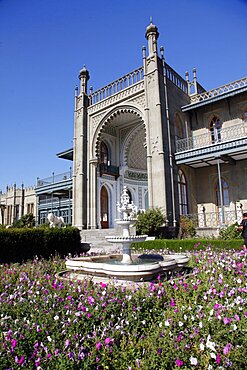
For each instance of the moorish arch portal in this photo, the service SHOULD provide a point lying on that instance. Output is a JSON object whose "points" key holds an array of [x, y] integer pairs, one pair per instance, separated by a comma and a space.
{"points": [[120, 149]]}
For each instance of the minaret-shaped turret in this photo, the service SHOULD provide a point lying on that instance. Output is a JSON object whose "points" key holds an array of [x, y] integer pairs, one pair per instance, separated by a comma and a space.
{"points": [[152, 35], [154, 120], [80, 152]]}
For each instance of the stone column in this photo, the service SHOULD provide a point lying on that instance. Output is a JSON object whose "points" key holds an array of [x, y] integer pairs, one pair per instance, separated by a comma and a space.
{"points": [[92, 191], [154, 121]]}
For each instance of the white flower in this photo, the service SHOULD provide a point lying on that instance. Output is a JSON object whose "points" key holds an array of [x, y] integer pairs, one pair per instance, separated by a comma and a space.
{"points": [[56, 317], [193, 361], [167, 323], [185, 317], [234, 327], [200, 324], [180, 323], [209, 344], [210, 367], [213, 355], [202, 346], [49, 338]]}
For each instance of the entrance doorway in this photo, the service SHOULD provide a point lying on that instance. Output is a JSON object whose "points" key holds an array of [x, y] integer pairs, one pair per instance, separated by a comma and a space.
{"points": [[104, 208]]}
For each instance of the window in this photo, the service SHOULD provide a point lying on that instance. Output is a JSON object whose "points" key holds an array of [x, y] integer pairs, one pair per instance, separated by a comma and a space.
{"points": [[104, 155], [245, 116], [225, 193], [215, 129], [182, 193]]}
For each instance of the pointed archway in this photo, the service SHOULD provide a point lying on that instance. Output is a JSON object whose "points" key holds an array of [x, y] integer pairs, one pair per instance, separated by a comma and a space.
{"points": [[104, 208]]}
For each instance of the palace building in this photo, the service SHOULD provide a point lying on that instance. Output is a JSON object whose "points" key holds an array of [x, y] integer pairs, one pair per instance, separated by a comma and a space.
{"points": [[173, 144]]}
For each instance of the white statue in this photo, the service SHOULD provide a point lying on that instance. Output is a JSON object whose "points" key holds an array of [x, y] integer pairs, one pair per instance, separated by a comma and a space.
{"points": [[55, 220]]}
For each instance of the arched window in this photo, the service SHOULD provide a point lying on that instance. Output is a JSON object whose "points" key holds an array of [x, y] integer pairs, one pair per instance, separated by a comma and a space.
{"points": [[215, 129], [130, 195], [182, 193], [104, 154], [179, 129], [225, 193]]}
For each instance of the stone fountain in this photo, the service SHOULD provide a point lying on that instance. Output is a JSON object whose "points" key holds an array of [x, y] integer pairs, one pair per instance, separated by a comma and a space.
{"points": [[126, 266]]}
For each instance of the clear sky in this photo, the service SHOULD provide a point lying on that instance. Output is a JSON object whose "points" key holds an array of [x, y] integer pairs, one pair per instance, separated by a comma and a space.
{"points": [[44, 44]]}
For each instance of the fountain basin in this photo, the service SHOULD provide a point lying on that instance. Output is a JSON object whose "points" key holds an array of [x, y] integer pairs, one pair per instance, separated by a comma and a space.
{"points": [[143, 267]]}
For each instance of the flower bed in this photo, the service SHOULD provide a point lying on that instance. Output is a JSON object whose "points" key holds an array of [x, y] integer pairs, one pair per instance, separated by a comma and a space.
{"points": [[196, 321]]}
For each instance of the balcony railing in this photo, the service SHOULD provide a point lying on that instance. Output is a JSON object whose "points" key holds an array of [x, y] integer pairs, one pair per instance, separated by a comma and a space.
{"points": [[116, 86], [216, 219], [54, 178], [219, 91], [108, 170], [218, 136]]}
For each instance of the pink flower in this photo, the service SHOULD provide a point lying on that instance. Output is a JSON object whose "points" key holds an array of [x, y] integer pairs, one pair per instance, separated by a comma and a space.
{"points": [[13, 343], [172, 303], [108, 341], [218, 359], [226, 321], [103, 285], [21, 360], [227, 349], [98, 345], [179, 363], [90, 299]]}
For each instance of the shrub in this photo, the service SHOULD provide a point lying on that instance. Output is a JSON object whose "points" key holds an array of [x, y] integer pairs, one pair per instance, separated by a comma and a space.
{"points": [[17, 245], [150, 222], [230, 232], [183, 245], [187, 227]]}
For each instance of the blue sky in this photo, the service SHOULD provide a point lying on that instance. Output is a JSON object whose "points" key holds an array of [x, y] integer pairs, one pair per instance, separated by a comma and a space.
{"points": [[44, 44]]}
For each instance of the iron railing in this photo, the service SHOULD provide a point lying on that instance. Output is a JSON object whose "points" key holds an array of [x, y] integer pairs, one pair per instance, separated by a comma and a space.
{"points": [[108, 170], [54, 178], [219, 136], [216, 219], [219, 91]]}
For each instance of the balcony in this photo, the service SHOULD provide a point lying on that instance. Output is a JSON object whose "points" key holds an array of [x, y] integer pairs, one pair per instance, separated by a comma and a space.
{"points": [[201, 150], [55, 183], [104, 169]]}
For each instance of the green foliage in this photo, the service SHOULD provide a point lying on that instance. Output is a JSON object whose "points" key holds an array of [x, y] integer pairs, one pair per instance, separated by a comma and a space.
{"points": [[183, 245], [21, 244], [187, 228], [27, 221], [195, 321], [150, 222], [230, 232]]}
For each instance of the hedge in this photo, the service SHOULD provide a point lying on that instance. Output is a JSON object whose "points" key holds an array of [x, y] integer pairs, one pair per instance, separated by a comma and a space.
{"points": [[18, 245], [178, 245]]}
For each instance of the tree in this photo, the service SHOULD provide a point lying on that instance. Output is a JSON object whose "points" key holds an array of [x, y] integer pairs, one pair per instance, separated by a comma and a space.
{"points": [[27, 221]]}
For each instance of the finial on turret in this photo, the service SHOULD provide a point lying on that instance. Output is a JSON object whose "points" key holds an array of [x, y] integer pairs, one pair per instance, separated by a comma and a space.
{"points": [[187, 76], [144, 51], [151, 19], [194, 72], [84, 77], [152, 35], [162, 52]]}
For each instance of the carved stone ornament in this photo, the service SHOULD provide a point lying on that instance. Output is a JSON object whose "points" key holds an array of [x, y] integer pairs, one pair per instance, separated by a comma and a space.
{"points": [[139, 100], [155, 145], [96, 119]]}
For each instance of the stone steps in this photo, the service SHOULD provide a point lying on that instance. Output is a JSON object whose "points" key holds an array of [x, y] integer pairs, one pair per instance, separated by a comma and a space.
{"points": [[96, 238]]}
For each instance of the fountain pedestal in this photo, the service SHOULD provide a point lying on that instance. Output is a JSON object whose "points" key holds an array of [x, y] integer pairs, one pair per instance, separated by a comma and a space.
{"points": [[125, 267]]}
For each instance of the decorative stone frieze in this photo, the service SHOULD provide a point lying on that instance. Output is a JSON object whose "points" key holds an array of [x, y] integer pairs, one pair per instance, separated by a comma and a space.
{"points": [[122, 95]]}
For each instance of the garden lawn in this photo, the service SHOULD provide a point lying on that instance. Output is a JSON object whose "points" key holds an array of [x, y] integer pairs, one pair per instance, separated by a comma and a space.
{"points": [[197, 321]]}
